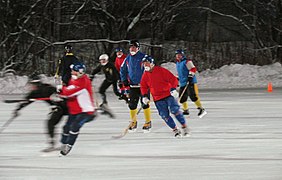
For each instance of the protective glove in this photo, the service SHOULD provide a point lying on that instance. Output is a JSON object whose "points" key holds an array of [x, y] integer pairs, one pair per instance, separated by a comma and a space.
{"points": [[57, 79], [145, 100], [59, 88], [126, 83], [55, 97], [91, 77], [120, 84], [190, 78], [174, 93]]}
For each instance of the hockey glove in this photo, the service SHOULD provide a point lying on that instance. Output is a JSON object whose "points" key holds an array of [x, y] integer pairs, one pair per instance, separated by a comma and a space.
{"points": [[55, 97], [59, 88], [145, 100], [174, 93], [91, 77], [126, 83], [190, 78], [120, 84]]}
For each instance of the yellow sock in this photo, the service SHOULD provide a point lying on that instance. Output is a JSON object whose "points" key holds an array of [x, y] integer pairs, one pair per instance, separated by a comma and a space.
{"points": [[147, 114], [185, 105], [133, 115], [196, 91], [198, 103]]}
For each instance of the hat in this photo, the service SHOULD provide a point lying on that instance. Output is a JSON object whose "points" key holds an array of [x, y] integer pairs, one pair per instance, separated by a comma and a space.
{"points": [[134, 43]]}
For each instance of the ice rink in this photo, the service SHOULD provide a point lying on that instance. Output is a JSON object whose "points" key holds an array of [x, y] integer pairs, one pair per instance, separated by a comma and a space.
{"points": [[239, 138]]}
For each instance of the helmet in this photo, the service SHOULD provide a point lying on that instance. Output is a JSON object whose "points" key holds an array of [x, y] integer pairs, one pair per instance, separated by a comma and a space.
{"points": [[179, 51], [104, 56], [78, 67], [134, 43], [34, 78], [68, 47], [118, 50], [149, 59]]}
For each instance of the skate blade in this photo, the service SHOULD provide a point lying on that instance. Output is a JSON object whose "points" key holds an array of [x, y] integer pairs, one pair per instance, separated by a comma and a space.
{"points": [[203, 114], [50, 154], [132, 131], [178, 137], [187, 135], [145, 131]]}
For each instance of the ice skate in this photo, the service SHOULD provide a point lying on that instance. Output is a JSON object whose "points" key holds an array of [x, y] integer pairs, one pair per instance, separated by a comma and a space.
{"points": [[106, 110], [177, 133], [49, 149], [147, 127], [133, 126], [202, 112], [51, 146], [65, 149], [186, 112], [186, 132]]}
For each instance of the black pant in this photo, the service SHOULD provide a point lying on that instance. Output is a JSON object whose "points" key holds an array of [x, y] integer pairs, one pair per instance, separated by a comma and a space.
{"points": [[134, 97], [105, 85], [190, 91], [55, 117]]}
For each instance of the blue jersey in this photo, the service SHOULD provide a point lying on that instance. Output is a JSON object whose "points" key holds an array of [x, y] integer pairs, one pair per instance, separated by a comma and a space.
{"points": [[132, 68], [183, 72]]}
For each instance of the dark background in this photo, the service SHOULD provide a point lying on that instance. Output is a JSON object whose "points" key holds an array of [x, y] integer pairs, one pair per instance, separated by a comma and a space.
{"points": [[212, 32]]}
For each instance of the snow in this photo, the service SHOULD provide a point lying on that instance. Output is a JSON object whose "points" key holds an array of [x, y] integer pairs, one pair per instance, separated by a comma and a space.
{"points": [[227, 77], [238, 76]]}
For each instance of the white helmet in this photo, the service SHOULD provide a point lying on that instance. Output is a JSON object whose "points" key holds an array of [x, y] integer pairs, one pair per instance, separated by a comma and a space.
{"points": [[104, 56]]}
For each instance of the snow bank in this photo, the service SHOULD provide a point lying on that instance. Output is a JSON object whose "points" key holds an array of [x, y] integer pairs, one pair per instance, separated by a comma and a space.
{"points": [[228, 76]]}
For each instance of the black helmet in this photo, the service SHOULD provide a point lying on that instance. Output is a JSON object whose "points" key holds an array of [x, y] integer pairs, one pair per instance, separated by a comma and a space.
{"points": [[68, 48], [134, 43]]}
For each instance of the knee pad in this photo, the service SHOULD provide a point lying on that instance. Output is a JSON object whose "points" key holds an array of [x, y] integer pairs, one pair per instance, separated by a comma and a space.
{"points": [[145, 106], [193, 97], [133, 104]]}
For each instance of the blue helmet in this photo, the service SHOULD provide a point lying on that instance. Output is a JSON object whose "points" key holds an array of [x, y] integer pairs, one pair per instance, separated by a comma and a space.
{"points": [[179, 51], [119, 49], [78, 67], [148, 58]]}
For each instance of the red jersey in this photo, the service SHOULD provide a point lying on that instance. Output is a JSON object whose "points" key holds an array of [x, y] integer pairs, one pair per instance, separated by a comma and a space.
{"points": [[159, 82], [119, 61], [80, 95]]}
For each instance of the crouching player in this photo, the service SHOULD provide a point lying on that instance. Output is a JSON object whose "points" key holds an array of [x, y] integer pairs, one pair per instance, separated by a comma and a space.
{"points": [[162, 85], [80, 104]]}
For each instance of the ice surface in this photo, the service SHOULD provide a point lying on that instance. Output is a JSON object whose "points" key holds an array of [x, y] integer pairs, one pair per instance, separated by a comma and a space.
{"points": [[240, 138]]}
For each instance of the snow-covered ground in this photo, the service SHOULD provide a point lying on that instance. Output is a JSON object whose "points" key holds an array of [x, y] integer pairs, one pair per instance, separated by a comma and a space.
{"points": [[239, 138], [226, 77]]}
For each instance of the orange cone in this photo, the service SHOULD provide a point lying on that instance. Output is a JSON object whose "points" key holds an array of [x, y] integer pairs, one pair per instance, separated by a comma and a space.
{"points": [[269, 87]]}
